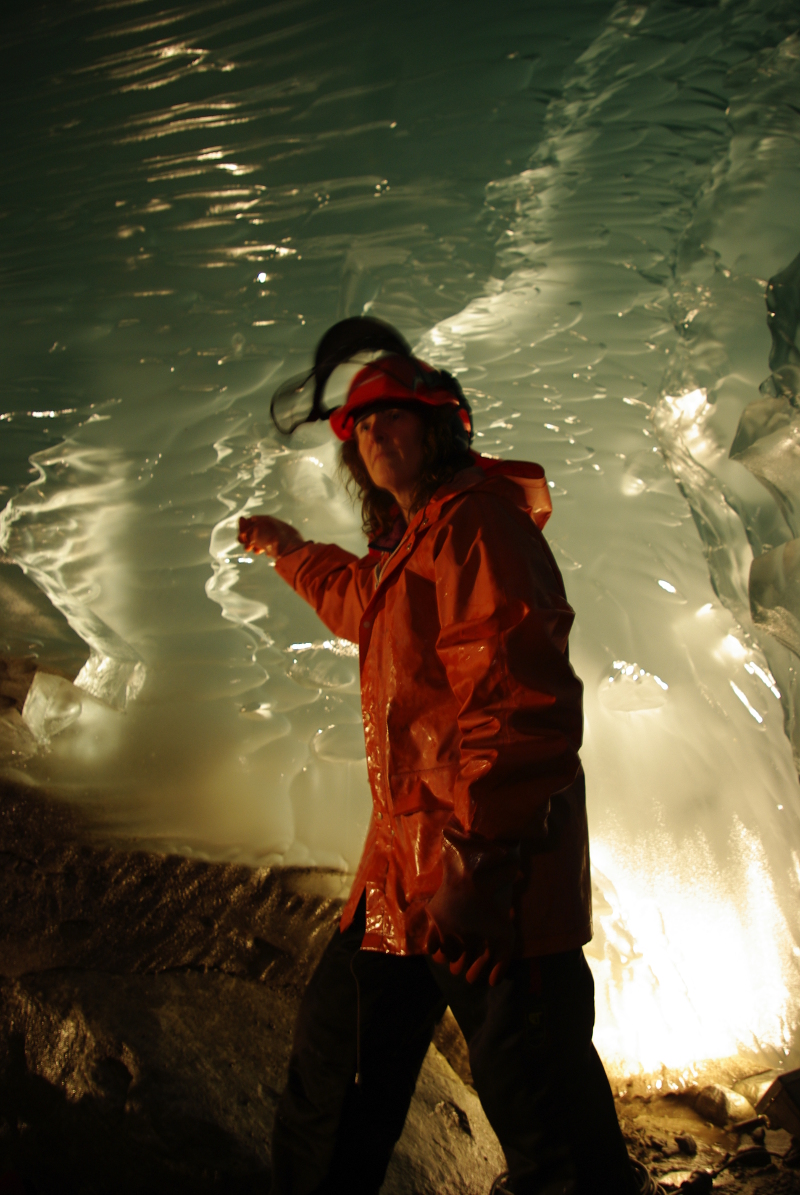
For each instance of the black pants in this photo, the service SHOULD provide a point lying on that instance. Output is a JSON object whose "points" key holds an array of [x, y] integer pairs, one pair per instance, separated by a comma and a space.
{"points": [[538, 1076]]}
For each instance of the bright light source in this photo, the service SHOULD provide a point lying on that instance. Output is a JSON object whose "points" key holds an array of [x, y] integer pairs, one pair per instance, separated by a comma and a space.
{"points": [[669, 588]]}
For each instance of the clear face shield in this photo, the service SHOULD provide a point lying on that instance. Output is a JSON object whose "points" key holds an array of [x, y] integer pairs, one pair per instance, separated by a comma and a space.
{"points": [[341, 353]]}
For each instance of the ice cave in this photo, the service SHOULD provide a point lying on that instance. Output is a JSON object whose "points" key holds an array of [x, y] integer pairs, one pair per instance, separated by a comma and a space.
{"points": [[589, 213]]}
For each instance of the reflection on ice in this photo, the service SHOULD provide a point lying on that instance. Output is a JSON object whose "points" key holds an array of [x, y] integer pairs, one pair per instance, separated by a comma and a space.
{"points": [[629, 687], [752, 712]]}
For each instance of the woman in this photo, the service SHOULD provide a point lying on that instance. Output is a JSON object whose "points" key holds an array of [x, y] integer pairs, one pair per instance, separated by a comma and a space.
{"points": [[473, 889]]}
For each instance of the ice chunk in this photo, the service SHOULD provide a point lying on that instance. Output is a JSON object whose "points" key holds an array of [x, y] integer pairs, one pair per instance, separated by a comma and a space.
{"points": [[783, 315], [761, 418], [52, 704], [112, 681], [767, 440], [70, 726], [774, 458], [775, 593]]}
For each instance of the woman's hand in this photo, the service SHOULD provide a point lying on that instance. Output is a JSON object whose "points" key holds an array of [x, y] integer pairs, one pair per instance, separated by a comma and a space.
{"points": [[273, 537], [471, 916]]}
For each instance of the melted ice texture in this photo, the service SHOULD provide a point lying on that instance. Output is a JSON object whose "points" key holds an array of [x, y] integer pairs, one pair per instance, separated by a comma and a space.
{"points": [[580, 222]]}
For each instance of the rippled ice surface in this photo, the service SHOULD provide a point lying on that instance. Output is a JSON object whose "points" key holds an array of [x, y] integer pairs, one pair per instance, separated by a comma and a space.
{"points": [[580, 217]]}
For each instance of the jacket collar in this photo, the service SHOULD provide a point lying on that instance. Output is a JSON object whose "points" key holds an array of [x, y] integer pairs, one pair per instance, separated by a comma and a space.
{"points": [[512, 479], [387, 542], [467, 479]]}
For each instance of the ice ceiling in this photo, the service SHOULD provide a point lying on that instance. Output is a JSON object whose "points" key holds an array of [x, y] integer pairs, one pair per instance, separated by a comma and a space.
{"points": [[579, 217]]}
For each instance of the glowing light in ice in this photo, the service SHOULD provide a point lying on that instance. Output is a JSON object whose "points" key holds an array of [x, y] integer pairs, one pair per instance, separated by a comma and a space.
{"points": [[666, 585], [669, 967]]}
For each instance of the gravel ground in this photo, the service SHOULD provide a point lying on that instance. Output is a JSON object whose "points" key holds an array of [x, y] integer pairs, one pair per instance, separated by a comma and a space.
{"points": [[651, 1130]]}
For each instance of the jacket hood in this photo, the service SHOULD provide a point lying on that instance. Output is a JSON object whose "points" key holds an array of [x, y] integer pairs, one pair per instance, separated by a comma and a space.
{"points": [[528, 476]]}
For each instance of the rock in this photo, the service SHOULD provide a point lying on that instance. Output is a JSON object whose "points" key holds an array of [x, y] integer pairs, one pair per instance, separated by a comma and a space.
{"points": [[721, 1105], [686, 1144], [755, 1086], [447, 1147], [16, 676], [146, 1013], [775, 593], [751, 1154], [449, 1040], [137, 1082], [33, 630], [701, 1183], [71, 901]]}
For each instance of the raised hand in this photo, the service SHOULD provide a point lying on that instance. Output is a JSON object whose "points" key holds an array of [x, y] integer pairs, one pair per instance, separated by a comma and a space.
{"points": [[273, 537]]}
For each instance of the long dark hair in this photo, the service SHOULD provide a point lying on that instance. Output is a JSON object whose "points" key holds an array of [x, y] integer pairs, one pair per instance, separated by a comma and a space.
{"points": [[445, 452]]}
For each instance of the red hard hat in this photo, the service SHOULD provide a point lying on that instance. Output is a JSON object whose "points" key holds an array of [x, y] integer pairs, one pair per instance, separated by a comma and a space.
{"points": [[392, 379]]}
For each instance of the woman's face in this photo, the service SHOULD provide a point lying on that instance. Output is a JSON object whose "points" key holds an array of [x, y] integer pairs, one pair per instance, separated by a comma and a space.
{"points": [[390, 442]]}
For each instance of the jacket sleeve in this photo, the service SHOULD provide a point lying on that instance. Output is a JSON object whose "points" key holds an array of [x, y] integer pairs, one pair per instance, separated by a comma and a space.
{"points": [[503, 639], [334, 582]]}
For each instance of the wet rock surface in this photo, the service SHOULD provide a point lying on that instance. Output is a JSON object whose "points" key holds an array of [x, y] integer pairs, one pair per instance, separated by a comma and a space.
{"points": [[146, 1011], [677, 1143]]}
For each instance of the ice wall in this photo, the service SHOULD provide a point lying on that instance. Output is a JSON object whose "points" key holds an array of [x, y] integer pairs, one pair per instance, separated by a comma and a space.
{"points": [[617, 335], [622, 348]]}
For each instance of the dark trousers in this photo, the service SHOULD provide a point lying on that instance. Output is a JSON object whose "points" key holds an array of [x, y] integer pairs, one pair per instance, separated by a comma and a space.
{"points": [[537, 1074]]}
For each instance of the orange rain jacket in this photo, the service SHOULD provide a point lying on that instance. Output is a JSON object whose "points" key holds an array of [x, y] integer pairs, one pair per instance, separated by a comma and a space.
{"points": [[472, 713]]}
